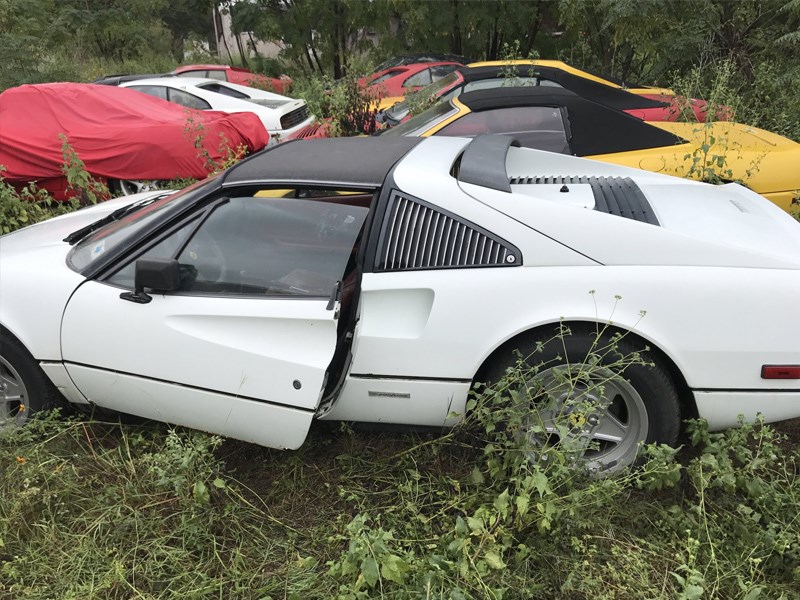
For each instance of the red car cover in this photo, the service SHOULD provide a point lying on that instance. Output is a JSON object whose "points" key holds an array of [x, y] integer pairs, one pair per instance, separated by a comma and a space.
{"points": [[117, 132]]}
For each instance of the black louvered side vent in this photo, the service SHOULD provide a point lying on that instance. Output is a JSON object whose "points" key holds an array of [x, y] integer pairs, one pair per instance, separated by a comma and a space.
{"points": [[419, 236], [613, 195], [295, 117]]}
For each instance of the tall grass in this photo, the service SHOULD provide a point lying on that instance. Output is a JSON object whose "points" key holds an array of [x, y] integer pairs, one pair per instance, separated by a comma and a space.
{"points": [[102, 510]]}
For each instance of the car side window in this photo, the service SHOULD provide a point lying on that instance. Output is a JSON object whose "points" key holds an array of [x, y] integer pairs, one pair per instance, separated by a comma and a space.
{"points": [[549, 83], [496, 82], [265, 246], [540, 127], [441, 71], [418, 79], [193, 74], [218, 74], [385, 77], [166, 248], [159, 91], [224, 90], [187, 100]]}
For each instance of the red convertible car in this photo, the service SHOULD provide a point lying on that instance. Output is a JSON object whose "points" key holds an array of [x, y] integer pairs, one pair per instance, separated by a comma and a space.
{"points": [[123, 136], [403, 79]]}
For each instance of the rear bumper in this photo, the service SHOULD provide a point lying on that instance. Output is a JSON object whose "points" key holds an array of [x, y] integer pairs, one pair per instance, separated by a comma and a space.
{"points": [[281, 135], [721, 409]]}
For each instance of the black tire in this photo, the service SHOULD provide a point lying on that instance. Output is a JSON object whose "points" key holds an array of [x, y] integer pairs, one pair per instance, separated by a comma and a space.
{"points": [[127, 187], [645, 406], [24, 388]]}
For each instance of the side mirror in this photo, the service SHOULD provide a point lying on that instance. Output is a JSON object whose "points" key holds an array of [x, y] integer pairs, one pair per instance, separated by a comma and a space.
{"points": [[159, 274]]}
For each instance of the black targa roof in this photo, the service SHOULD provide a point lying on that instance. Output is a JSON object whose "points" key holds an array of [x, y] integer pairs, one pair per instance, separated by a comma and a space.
{"points": [[361, 162], [592, 90], [593, 128]]}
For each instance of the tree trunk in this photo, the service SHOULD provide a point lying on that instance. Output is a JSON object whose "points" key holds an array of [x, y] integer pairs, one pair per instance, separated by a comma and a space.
{"points": [[307, 54], [337, 62], [316, 59], [252, 43], [530, 37], [455, 37], [177, 48]]}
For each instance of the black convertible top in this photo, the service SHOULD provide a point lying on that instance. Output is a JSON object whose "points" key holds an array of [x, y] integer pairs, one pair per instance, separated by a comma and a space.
{"points": [[118, 79], [592, 90], [593, 127], [361, 162]]}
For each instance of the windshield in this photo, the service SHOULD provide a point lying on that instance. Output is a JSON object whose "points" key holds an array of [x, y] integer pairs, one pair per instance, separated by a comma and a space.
{"points": [[136, 218], [399, 111], [421, 123]]}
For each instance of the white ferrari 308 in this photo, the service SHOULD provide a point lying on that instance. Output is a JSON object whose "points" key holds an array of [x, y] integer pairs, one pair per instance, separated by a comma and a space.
{"points": [[377, 279]]}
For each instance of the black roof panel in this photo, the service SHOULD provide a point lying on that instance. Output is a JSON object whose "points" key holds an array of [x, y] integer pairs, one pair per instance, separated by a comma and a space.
{"points": [[593, 90], [358, 162], [593, 127]]}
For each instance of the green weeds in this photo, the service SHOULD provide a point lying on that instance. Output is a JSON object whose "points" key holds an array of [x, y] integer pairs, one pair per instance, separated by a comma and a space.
{"points": [[101, 510], [29, 204]]}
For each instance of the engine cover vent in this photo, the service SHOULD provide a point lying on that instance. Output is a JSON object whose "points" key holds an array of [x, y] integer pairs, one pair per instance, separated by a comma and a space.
{"points": [[419, 236], [613, 195]]}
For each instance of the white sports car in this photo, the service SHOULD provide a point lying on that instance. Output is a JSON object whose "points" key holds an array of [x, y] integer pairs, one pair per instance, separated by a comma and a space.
{"points": [[280, 115], [376, 279]]}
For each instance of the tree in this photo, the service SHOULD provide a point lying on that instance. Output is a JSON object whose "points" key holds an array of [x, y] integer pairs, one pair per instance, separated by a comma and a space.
{"points": [[186, 17]]}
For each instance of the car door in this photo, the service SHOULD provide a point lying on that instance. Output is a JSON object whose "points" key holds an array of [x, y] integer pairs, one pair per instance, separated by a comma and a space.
{"points": [[242, 347]]}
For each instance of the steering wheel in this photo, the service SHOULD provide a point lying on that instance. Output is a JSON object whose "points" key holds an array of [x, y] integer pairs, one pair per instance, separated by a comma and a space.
{"points": [[204, 254]]}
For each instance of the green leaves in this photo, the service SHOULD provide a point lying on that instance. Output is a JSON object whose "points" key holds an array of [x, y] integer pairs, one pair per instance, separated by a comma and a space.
{"points": [[372, 558]]}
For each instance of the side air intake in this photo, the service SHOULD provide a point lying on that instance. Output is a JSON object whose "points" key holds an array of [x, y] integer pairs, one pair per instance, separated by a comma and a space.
{"points": [[613, 195], [419, 236]]}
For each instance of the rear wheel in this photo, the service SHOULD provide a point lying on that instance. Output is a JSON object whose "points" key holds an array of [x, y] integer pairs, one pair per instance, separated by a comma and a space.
{"points": [[128, 187], [24, 388], [598, 396]]}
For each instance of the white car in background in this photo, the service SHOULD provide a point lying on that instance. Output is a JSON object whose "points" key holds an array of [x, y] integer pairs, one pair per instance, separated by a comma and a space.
{"points": [[280, 115], [376, 279]]}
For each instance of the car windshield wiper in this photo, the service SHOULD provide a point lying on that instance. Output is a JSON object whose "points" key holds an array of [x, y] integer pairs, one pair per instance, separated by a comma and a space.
{"points": [[81, 233]]}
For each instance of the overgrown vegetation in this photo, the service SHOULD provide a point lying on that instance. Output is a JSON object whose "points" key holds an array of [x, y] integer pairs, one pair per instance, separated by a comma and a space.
{"points": [[497, 508], [98, 510], [30, 204], [666, 43]]}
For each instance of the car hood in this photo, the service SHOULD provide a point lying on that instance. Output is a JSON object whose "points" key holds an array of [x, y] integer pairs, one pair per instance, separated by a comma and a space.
{"points": [[695, 223], [52, 232], [36, 279]]}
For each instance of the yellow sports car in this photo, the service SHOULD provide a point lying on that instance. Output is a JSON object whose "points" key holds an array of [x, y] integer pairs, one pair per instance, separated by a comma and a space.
{"points": [[557, 120], [648, 103]]}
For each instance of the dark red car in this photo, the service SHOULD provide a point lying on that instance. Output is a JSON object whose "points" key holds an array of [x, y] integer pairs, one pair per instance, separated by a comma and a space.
{"points": [[122, 136], [240, 75], [403, 79]]}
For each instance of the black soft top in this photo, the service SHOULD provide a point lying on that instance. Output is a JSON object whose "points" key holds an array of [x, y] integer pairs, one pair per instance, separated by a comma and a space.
{"points": [[592, 90], [118, 79], [593, 127], [360, 162]]}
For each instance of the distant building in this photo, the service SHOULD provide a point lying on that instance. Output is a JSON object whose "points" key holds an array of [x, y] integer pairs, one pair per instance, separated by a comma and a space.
{"points": [[233, 48]]}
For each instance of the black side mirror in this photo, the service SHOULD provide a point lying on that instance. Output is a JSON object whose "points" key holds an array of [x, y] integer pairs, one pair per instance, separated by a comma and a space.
{"points": [[159, 274]]}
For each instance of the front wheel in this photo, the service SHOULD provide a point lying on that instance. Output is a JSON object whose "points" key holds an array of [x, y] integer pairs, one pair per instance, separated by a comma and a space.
{"points": [[24, 388], [595, 394]]}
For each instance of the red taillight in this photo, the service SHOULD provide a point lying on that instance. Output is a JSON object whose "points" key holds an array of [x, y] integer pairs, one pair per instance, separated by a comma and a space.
{"points": [[780, 372]]}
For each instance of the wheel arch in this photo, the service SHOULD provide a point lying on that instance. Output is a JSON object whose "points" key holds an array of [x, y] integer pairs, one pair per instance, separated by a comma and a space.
{"points": [[686, 397], [9, 333]]}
